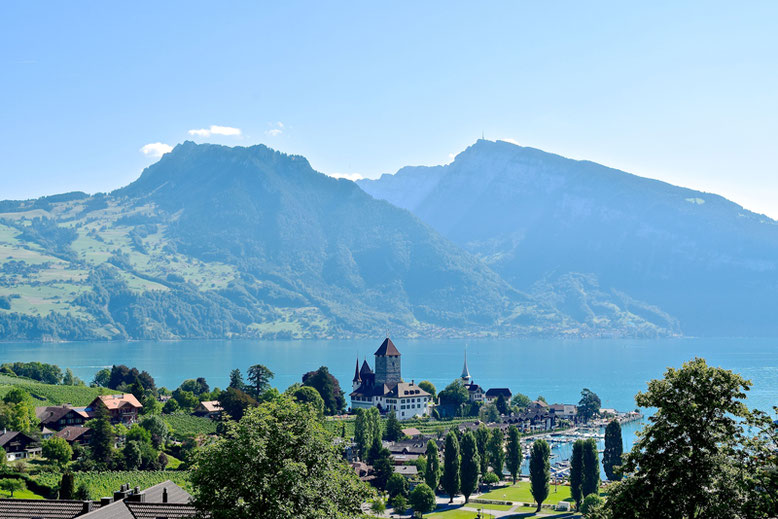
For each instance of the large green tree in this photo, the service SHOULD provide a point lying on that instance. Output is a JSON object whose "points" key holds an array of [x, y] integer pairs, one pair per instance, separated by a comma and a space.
{"points": [[589, 405], [539, 471], [393, 430], [57, 450], [260, 377], [328, 387], [289, 467], [102, 440], [367, 430], [429, 387], [451, 466], [576, 473], [590, 482], [471, 466], [234, 402], [422, 499], [496, 450], [432, 472], [688, 462], [614, 449], [513, 456], [482, 441]]}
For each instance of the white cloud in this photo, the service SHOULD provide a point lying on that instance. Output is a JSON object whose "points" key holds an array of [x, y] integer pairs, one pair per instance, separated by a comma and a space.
{"points": [[451, 158], [512, 141], [216, 130], [276, 130], [156, 149]]}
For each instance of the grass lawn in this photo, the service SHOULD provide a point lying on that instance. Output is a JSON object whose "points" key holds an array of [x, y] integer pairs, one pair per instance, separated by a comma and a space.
{"points": [[21, 494], [453, 514], [520, 492], [487, 506]]}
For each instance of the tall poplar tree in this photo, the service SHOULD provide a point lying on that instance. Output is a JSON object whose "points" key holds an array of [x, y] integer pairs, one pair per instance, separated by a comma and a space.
{"points": [[513, 452], [590, 483], [539, 471], [470, 466], [432, 472], [451, 463], [496, 451], [576, 473], [482, 440], [614, 448]]}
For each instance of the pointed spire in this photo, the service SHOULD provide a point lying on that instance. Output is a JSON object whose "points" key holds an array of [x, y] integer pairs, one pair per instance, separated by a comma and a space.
{"points": [[465, 372], [357, 378]]}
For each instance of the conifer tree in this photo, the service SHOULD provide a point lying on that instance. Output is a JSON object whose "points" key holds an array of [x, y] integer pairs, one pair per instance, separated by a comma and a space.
{"points": [[432, 472], [614, 448], [513, 452], [539, 471], [496, 451], [576, 473], [393, 430], [451, 463], [470, 466], [482, 440], [590, 483]]}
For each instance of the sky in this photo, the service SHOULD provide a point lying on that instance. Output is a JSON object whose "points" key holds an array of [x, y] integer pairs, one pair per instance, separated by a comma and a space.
{"points": [[686, 92]]}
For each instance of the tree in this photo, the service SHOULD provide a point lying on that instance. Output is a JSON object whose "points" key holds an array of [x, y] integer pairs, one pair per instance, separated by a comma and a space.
{"points": [[287, 461], [539, 471], [383, 468], [186, 399], [471, 466], [308, 395], [455, 394], [68, 379], [235, 402], [157, 428], [150, 404], [12, 485], [502, 405], [367, 429], [589, 405], [400, 504], [432, 474], [482, 440], [520, 400], [590, 504], [451, 464], [513, 456], [329, 389], [489, 414], [496, 451], [429, 387], [422, 499], [614, 448], [197, 386], [102, 378], [397, 485], [689, 458], [393, 430], [491, 479], [57, 450], [133, 457], [590, 482], [67, 486], [102, 438], [171, 406], [236, 380], [576, 473], [260, 377]]}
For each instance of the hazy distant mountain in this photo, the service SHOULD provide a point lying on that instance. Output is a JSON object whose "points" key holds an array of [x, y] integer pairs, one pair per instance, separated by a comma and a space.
{"points": [[535, 218], [221, 242]]}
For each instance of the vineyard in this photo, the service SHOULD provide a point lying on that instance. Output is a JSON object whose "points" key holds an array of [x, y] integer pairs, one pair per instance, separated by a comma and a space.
{"points": [[47, 394], [102, 484], [183, 425]]}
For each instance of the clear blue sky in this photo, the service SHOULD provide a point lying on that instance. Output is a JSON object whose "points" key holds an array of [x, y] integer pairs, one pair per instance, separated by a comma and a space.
{"points": [[681, 91]]}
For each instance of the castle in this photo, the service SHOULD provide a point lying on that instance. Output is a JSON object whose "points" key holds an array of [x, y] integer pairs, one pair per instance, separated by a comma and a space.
{"points": [[385, 388]]}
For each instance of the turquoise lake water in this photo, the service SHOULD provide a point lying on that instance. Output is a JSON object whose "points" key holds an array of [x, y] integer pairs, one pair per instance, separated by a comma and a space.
{"points": [[556, 369]]}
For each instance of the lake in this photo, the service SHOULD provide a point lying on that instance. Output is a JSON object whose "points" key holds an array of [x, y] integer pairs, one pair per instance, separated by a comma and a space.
{"points": [[555, 368]]}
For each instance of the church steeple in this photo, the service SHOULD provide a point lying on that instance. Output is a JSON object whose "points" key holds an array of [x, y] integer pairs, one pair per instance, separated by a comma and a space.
{"points": [[357, 378], [465, 372]]}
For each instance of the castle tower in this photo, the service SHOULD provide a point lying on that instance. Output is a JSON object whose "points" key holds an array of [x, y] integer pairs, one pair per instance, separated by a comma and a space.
{"points": [[357, 378], [387, 364]]}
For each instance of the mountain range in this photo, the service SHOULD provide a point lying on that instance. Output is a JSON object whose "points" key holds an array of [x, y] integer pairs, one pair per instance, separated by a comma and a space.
{"points": [[218, 242]]}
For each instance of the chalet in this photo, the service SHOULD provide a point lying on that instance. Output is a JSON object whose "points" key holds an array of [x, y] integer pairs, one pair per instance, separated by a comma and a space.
{"points": [[495, 393], [123, 408], [58, 417], [565, 411], [385, 388], [18, 445], [210, 409], [76, 435]]}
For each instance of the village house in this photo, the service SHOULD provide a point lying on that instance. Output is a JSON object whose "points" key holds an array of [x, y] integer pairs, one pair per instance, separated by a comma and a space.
{"points": [[564, 411], [495, 393], [385, 389], [123, 408], [58, 417], [75, 435], [209, 408], [18, 445]]}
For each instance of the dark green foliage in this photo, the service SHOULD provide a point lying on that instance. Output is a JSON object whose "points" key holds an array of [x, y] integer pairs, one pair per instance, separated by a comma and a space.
{"points": [[46, 373], [455, 395], [197, 386], [614, 448], [276, 463], [590, 481], [470, 466], [236, 379], [482, 440], [186, 400], [432, 472], [393, 430], [383, 468], [576, 473], [367, 430], [589, 405], [308, 395], [171, 406], [329, 389], [57, 450], [496, 450], [520, 400], [451, 466], [397, 486], [422, 499], [539, 471], [260, 377], [502, 405], [399, 503], [67, 486], [101, 444], [513, 455], [46, 232], [234, 402], [429, 387], [124, 376]]}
